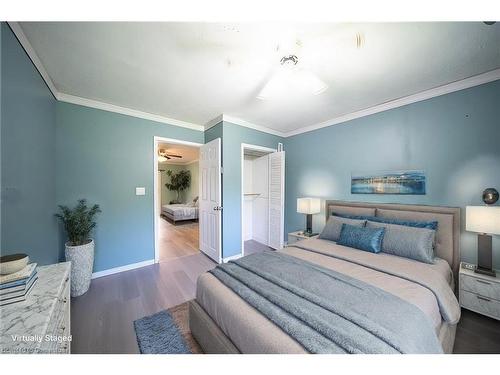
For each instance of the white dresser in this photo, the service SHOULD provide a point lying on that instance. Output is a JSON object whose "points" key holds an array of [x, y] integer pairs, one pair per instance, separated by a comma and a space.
{"points": [[41, 324], [480, 293]]}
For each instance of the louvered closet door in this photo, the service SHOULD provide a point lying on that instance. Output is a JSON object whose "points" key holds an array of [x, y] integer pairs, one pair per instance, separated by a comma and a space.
{"points": [[276, 199]]}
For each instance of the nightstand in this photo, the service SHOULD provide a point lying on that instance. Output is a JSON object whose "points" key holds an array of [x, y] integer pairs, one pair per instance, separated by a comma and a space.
{"points": [[299, 236], [479, 293]]}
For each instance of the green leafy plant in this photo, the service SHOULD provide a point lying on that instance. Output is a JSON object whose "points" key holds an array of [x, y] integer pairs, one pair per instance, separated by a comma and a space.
{"points": [[178, 182], [78, 222]]}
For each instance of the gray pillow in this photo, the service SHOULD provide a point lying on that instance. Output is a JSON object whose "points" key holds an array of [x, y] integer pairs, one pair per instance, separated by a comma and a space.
{"points": [[333, 226], [408, 242]]}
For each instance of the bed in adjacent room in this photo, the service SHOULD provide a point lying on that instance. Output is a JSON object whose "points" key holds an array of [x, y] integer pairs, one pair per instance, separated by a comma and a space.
{"points": [[180, 211], [318, 296]]}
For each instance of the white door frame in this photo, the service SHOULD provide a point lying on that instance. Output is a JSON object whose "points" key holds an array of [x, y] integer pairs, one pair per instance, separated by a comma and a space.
{"points": [[156, 212], [247, 146]]}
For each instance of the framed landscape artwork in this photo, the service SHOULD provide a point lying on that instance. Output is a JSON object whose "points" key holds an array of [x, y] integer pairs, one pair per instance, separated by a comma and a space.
{"points": [[397, 182]]}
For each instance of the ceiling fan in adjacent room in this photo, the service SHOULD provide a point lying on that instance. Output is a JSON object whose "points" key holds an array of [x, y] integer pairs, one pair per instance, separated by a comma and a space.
{"points": [[164, 155]]}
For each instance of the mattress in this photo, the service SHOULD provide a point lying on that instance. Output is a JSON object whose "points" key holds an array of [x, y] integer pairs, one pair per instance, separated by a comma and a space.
{"points": [[252, 332], [180, 211]]}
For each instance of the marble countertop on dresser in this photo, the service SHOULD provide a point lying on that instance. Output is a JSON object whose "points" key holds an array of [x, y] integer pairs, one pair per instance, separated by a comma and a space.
{"points": [[30, 318]]}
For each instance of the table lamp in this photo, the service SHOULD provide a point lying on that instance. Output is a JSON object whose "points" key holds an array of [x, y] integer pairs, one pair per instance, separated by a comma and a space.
{"points": [[308, 206], [485, 220]]}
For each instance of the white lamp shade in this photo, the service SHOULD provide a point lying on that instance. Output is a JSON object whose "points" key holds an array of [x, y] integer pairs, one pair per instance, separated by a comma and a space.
{"points": [[482, 219], [308, 205]]}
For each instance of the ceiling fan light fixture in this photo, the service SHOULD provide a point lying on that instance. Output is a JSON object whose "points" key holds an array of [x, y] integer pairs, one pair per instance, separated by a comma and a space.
{"points": [[318, 86], [309, 82], [289, 61], [276, 85], [291, 79]]}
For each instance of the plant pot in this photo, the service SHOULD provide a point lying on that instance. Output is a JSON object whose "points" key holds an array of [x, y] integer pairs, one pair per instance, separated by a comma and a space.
{"points": [[82, 263]]}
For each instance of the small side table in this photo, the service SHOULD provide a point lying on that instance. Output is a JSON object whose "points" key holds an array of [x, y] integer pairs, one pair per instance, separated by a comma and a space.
{"points": [[479, 293], [299, 236]]}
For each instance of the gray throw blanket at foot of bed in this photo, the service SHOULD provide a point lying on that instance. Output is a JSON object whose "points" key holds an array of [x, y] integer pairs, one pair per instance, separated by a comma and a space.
{"points": [[326, 311]]}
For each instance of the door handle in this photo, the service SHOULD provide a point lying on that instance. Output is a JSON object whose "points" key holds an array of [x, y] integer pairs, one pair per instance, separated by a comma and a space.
{"points": [[217, 208]]}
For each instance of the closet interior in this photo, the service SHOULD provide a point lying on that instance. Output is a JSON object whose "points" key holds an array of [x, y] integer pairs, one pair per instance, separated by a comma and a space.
{"points": [[262, 200]]}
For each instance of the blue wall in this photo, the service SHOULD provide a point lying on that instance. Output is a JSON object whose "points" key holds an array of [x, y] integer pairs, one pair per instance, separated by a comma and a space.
{"points": [[27, 157], [214, 132], [55, 153], [455, 138], [92, 147], [232, 138]]}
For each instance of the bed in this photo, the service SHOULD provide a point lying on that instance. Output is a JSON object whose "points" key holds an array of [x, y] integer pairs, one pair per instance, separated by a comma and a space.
{"points": [[180, 212], [224, 322]]}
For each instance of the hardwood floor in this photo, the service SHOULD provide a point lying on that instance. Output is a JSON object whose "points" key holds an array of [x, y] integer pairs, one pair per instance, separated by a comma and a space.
{"points": [[477, 334], [178, 240], [252, 247], [102, 319]]}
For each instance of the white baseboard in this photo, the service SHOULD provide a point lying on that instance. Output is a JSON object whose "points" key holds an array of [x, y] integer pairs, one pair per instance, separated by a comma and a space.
{"points": [[232, 257], [127, 267]]}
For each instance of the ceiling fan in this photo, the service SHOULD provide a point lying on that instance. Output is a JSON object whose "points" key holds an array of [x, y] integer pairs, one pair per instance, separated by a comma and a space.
{"points": [[164, 155], [294, 73], [292, 77]]}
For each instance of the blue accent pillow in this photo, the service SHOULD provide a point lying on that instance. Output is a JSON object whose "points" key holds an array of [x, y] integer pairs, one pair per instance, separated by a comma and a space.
{"points": [[333, 226], [362, 238], [408, 223]]}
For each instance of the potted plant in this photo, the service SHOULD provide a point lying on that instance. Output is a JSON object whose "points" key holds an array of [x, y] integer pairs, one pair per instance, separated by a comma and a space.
{"points": [[178, 182], [79, 223]]}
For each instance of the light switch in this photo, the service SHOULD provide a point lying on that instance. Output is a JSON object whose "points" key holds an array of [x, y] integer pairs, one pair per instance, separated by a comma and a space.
{"points": [[140, 191]]}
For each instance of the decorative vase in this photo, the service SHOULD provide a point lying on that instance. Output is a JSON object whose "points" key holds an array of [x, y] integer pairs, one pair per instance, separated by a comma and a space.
{"points": [[82, 263]]}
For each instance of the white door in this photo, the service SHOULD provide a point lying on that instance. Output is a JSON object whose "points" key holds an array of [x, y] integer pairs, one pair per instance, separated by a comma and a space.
{"points": [[210, 214], [276, 199]]}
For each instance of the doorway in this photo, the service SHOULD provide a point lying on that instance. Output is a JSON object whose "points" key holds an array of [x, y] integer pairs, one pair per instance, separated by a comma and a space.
{"points": [[177, 186], [262, 199]]}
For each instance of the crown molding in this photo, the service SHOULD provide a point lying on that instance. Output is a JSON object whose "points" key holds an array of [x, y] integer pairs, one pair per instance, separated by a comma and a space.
{"points": [[126, 111], [246, 124], [466, 83], [19, 33], [463, 84], [240, 122], [213, 122]]}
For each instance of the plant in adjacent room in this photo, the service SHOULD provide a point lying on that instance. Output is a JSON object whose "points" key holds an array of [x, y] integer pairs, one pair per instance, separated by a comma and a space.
{"points": [[78, 223], [178, 182]]}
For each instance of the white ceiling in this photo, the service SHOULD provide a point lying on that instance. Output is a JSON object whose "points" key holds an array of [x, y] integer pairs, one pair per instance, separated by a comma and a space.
{"points": [[194, 72], [189, 154]]}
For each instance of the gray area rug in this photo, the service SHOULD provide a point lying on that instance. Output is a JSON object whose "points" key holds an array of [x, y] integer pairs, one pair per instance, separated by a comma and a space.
{"points": [[160, 334]]}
